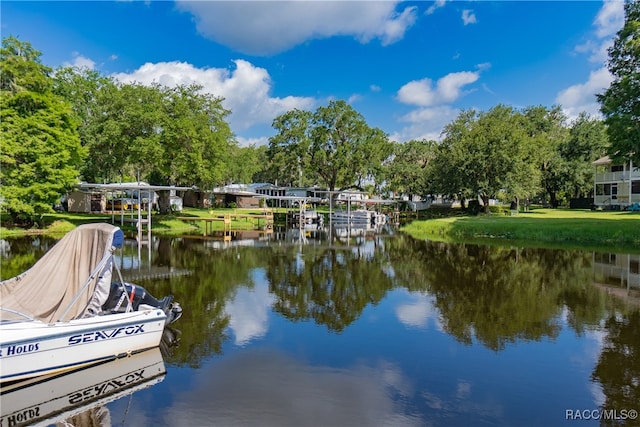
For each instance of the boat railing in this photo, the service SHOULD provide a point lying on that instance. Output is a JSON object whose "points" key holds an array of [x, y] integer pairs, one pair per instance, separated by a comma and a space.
{"points": [[16, 312]]}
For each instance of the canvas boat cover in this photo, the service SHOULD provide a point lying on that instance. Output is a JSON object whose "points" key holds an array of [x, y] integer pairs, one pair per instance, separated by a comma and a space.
{"points": [[45, 291]]}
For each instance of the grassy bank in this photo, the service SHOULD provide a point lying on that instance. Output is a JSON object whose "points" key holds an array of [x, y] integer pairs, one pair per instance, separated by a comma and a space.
{"points": [[57, 224], [541, 227]]}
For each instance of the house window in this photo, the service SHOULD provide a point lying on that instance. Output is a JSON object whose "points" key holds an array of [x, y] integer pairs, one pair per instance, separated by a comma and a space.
{"points": [[635, 187], [617, 168], [604, 258]]}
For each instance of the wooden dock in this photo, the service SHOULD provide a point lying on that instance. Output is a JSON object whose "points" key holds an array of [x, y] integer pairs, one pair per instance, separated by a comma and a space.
{"points": [[227, 218]]}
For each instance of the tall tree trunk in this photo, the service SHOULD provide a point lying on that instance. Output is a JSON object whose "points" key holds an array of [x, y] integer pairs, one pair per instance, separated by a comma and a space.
{"points": [[462, 201], [485, 203], [164, 204], [553, 199]]}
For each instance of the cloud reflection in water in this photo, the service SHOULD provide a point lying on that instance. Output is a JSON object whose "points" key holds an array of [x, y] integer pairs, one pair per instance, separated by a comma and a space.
{"points": [[269, 388]]}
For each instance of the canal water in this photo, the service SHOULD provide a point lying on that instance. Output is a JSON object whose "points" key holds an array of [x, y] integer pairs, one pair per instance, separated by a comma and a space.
{"points": [[311, 328]]}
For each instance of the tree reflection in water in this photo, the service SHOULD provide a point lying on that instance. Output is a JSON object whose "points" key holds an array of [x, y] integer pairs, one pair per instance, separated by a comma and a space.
{"points": [[488, 295], [618, 368]]}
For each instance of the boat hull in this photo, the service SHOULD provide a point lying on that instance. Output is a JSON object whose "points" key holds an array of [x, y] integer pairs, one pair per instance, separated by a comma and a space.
{"points": [[33, 348], [55, 398]]}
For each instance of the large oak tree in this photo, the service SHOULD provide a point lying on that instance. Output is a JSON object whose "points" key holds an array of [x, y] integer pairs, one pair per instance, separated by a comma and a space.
{"points": [[41, 150]]}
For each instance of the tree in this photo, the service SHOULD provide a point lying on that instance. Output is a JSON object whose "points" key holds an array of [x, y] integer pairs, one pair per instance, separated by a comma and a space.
{"points": [[168, 136], [547, 131], [409, 170], [339, 136], [620, 103], [92, 99], [587, 141], [333, 146], [288, 152], [194, 142], [245, 163], [41, 151], [485, 154], [447, 175]]}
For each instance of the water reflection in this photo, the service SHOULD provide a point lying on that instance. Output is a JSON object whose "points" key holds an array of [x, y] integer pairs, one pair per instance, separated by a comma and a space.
{"points": [[270, 388], [248, 312], [79, 397], [420, 312], [302, 327]]}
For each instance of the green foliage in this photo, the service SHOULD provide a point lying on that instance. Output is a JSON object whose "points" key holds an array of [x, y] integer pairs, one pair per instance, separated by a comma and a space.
{"points": [[620, 103], [41, 151], [547, 131], [409, 171], [333, 146], [484, 154], [289, 152], [587, 141]]}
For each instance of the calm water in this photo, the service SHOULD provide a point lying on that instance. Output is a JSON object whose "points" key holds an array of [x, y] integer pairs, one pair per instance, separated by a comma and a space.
{"points": [[306, 329]]}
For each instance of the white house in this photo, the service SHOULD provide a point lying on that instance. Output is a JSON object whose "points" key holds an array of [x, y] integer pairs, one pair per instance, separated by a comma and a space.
{"points": [[616, 185]]}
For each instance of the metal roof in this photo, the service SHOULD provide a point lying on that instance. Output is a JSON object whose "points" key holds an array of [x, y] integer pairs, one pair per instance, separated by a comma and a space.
{"points": [[130, 186]]}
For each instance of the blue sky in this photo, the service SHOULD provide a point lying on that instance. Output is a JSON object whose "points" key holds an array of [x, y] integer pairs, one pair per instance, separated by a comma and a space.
{"points": [[408, 67]]}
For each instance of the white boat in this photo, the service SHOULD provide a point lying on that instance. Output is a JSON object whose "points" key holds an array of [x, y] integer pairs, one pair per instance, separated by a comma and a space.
{"points": [[65, 312], [80, 394], [356, 216]]}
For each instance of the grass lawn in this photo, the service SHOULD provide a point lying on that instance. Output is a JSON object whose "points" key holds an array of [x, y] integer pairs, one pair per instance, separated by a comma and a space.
{"points": [[58, 224], [540, 227]]}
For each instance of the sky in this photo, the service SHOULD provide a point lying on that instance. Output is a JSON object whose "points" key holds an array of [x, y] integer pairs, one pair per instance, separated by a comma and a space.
{"points": [[409, 68]]}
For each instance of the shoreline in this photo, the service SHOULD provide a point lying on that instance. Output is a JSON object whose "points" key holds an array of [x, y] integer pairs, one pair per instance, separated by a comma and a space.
{"points": [[550, 228]]}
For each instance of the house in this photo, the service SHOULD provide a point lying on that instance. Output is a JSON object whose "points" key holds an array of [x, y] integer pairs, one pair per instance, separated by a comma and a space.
{"points": [[237, 195], [616, 186], [86, 201], [271, 190]]}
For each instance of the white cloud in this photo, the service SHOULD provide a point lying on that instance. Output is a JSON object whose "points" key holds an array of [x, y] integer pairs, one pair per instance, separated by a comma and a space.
{"points": [[246, 89], [423, 93], [425, 123], [271, 27], [354, 98], [375, 88], [434, 100], [468, 17], [436, 5], [582, 97], [82, 62], [610, 18]]}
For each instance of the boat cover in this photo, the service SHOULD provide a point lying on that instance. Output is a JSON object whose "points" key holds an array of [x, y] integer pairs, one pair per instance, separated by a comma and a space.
{"points": [[51, 285]]}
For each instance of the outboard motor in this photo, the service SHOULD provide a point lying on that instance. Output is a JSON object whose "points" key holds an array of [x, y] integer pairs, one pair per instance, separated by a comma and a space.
{"points": [[136, 295]]}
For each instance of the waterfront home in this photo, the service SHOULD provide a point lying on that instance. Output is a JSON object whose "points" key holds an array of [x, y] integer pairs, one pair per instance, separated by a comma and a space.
{"points": [[617, 186]]}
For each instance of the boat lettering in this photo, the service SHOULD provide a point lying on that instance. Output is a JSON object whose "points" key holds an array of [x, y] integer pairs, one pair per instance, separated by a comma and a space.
{"points": [[20, 349], [22, 417], [106, 387], [106, 334]]}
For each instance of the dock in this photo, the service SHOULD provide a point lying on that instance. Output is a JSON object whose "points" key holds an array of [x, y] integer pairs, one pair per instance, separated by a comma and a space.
{"points": [[227, 218]]}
